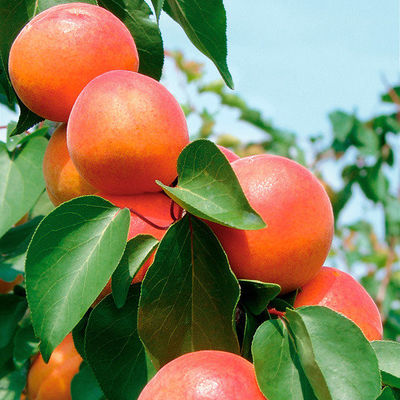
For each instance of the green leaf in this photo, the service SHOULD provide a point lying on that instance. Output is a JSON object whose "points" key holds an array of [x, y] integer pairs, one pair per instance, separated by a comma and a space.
{"points": [[342, 125], [135, 14], [12, 385], [256, 295], [114, 350], [392, 216], [137, 251], [388, 354], [387, 394], [18, 140], [279, 373], [70, 259], [366, 140], [26, 344], [388, 98], [78, 334], [337, 359], [158, 5], [84, 385], [21, 182], [250, 327], [209, 189], [12, 309], [374, 183], [204, 22], [189, 295], [27, 119]]}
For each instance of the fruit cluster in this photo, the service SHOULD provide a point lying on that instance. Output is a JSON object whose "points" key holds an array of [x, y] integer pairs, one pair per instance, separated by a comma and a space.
{"points": [[121, 131]]}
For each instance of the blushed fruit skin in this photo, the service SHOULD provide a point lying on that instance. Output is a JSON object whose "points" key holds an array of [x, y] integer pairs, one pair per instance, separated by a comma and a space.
{"points": [[6, 287], [153, 206], [125, 131], [52, 381], [293, 247], [63, 181], [61, 50], [340, 292], [229, 154], [204, 375]]}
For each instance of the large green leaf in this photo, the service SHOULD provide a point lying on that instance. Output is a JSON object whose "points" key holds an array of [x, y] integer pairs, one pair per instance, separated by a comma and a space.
{"points": [[12, 309], [388, 354], [114, 350], [337, 359], [137, 251], [208, 188], [72, 255], [189, 295], [84, 385], [135, 14], [204, 22], [279, 373], [21, 181]]}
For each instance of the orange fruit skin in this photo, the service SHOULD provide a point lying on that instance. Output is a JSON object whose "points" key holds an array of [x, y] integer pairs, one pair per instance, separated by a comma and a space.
{"points": [[229, 154], [52, 381], [293, 247], [61, 50], [125, 131], [340, 292], [204, 375], [156, 208], [6, 287], [63, 181]]}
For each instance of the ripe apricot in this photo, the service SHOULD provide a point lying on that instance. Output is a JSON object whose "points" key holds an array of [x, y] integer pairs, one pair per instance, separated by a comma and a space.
{"points": [[340, 292], [6, 287], [61, 50], [52, 381], [207, 374], [229, 154], [292, 248], [125, 131], [153, 206], [63, 181]]}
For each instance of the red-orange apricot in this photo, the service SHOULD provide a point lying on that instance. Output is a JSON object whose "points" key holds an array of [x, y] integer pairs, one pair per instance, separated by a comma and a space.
{"points": [[340, 292], [153, 206], [229, 154], [204, 375], [52, 381], [6, 287], [63, 181], [292, 248], [61, 50], [125, 131]]}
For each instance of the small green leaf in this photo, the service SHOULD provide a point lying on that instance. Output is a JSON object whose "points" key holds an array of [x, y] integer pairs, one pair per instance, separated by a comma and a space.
{"points": [[137, 251], [256, 295], [84, 385], [135, 14], [250, 327], [337, 359], [114, 350], [279, 373], [388, 354], [78, 334], [12, 309], [158, 5], [70, 259], [387, 97], [12, 385], [189, 295], [18, 140], [26, 344], [342, 124], [387, 394], [204, 23], [209, 189]]}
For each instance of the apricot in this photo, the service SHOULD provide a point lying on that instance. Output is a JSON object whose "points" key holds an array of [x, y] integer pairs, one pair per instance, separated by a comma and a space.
{"points": [[52, 381], [125, 131], [63, 181], [229, 154], [153, 206], [292, 248], [201, 375], [6, 287], [340, 292], [61, 50]]}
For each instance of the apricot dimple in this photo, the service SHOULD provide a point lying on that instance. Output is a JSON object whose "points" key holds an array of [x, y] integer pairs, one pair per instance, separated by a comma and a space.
{"points": [[61, 50]]}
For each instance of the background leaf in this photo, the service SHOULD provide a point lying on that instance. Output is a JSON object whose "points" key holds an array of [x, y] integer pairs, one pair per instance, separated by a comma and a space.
{"points": [[84, 385], [114, 350], [189, 295], [72, 255], [204, 23], [12, 309], [208, 188], [388, 354], [12, 384]]}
